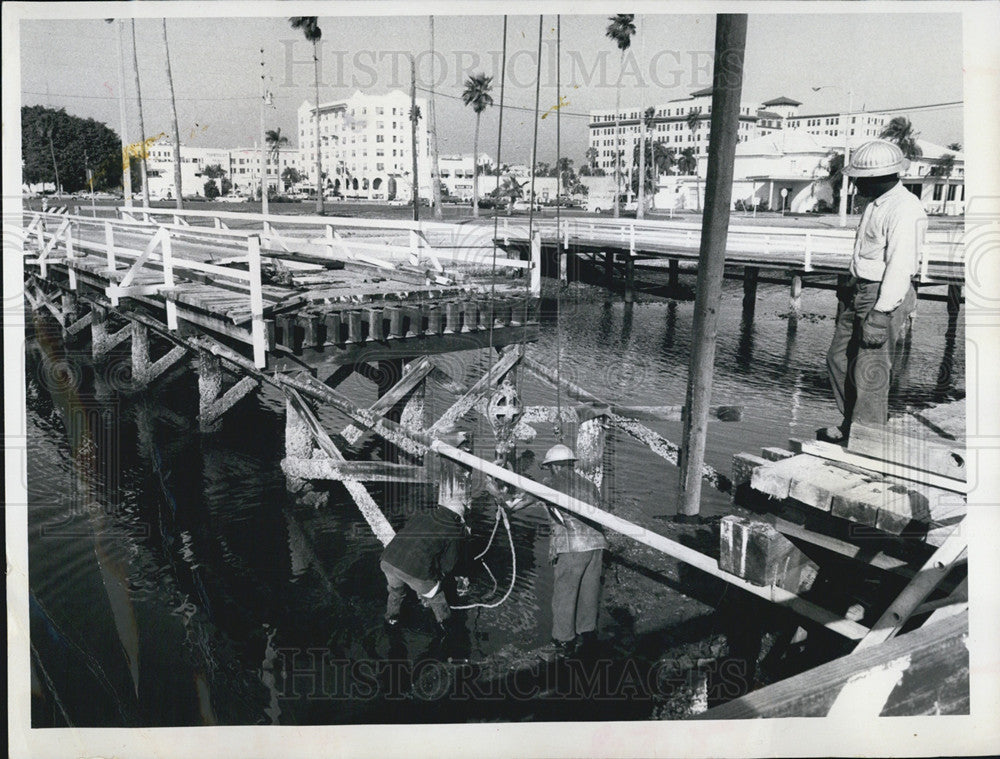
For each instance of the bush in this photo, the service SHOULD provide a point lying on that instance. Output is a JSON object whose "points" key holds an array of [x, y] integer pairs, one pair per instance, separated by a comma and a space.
{"points": [[211, 190], [822, 206]]}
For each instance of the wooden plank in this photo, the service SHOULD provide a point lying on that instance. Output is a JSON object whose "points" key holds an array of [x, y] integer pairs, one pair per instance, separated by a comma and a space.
{"points": [[361, 471], [413, 375], [934, 570], [878, 559], [819, 481], [905, 442], [759, 553], [836, 453], [813, 693]]}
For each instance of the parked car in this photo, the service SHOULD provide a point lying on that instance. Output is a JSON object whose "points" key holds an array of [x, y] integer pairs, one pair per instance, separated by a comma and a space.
{"points": [[603, 203], [233, 198], [522, 204]]}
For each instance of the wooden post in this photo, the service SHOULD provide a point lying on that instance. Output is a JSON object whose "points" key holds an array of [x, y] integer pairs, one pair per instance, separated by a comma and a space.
{"points": [[750, 274], [629, 277], [796, 294], [674, 272], [536, 264], [727, 86]]}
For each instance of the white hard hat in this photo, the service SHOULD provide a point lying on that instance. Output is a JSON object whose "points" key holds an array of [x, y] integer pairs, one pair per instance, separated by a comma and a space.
{"points": [[558, 453], [876, 159]]}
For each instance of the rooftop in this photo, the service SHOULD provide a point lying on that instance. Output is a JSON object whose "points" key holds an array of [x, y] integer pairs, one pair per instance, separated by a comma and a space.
{"points": [[781, 101]]}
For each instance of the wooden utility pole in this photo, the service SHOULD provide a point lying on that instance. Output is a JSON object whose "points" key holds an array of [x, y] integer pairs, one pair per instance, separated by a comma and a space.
{"points": [[143, 147], [727, 86], [126, 162], [435, 168], [413, 137], [177, 134]]}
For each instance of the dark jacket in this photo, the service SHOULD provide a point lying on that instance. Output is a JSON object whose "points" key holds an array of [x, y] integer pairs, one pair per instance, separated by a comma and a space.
{"points": [[429, 546]]}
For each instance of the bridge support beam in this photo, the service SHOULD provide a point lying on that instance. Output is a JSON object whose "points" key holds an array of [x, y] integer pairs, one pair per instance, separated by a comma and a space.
{"points": [[609, 268], [674, 272], [590, 437], [629, 277], [212, 402], [144, 370], [102, 340], [795, 295], [750, 275]]}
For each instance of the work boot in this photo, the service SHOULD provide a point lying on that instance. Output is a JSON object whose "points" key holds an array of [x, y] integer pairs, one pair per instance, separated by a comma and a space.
{"points": [[833, 434], [586, 644]]}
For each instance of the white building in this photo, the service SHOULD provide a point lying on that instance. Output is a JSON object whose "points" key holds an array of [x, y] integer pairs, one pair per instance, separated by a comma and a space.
{"points": [[240, 165], [244, 168], [365, 146], [456, 173]]}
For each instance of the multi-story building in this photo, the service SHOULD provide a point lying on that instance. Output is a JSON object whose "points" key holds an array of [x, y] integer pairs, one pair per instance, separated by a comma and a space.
{"points": [[244, 168], [684, 123], [240, 165], [678, 124], [365, 146]]}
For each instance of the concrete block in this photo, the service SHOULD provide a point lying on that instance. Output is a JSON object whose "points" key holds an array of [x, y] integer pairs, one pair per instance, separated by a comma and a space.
{"points": [[758, 553]]}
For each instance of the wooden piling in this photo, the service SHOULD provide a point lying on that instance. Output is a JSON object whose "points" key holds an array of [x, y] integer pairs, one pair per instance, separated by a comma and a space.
{"points": [[674, 272], [795, 294], [750, 276], [727, 85]]}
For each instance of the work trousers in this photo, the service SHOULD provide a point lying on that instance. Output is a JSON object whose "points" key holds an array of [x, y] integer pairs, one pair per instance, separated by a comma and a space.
{"points": [[576, 592], [860, 376], [398, 581]]}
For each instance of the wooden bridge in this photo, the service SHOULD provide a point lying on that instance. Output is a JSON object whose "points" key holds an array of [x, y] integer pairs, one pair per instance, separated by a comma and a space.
{"points": [[797, 257], [302, 307]]}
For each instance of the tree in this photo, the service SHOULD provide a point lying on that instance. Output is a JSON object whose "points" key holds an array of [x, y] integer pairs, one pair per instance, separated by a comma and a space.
{"points": [[143, 148], [620, 31], [53, 146], [312, 32], [658, 161], [687, 162], [901, 132], [956, 146], [592, 155], [943, 168], [173, 111], [275, 141], [211, 190], [566, 175], [692, 121], [290, 176], [835, 174], [641, 207], [477, 96]]}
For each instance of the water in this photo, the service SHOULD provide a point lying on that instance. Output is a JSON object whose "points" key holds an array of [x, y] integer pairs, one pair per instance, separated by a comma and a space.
{"points": [[173, 579]]}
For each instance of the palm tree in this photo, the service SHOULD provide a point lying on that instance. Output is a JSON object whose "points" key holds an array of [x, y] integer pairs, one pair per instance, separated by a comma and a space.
{"points": [[620, 31], [592, 155], [177, 133], [312, 32], [477, 96], [658, 160], [646, 116], [944, 167], [435, 162], [956, 146], [275, 141], [565, 174], [687, 163], [693, 119], [901, 132]]}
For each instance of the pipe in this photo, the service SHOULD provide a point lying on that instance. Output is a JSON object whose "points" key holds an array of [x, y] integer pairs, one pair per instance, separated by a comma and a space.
{"points": [[670, 547]]}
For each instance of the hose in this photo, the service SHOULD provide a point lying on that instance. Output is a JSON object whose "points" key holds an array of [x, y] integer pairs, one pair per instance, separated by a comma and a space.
{"points": [[501, 514]]}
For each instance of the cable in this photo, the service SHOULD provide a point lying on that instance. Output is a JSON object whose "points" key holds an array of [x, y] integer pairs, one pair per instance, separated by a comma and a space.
{"points": [[559, 254]]}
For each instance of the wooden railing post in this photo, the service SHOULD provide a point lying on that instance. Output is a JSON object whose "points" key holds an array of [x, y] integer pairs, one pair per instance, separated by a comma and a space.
{"points": [[256, 303], [109, 241], [536, 263], [70, 255], [168, 279]]}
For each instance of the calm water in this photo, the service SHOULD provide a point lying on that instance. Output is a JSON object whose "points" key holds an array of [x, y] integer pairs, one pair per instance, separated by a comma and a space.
{"points": [[173, 577]]}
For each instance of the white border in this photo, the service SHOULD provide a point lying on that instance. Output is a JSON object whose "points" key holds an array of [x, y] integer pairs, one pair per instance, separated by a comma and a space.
{"points": [[976, 734]]}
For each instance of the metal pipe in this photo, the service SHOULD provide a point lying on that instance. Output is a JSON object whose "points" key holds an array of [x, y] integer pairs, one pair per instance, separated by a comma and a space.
{"points": [[705, 563]]}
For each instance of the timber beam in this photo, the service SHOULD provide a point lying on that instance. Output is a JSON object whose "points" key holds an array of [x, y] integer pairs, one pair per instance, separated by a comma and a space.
{"points": [[212, 401]]}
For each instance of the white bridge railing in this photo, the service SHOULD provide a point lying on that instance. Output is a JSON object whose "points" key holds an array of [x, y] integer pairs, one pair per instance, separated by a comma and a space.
{"points": [[151, 270]]}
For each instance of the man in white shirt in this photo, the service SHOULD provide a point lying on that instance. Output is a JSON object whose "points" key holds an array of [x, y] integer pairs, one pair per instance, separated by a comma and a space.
{"points": [[874, 306]]}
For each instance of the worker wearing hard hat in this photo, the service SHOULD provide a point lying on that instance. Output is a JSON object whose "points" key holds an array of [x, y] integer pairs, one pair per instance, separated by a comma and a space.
{"points": [[875, 304], [576, 549]]}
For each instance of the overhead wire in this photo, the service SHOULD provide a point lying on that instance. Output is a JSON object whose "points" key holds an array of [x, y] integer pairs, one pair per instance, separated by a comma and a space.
{"points": [[496, 221]]}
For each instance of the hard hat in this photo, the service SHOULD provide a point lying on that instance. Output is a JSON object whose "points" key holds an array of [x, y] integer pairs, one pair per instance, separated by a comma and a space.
{"points": [[558, 453], [876, 159]]}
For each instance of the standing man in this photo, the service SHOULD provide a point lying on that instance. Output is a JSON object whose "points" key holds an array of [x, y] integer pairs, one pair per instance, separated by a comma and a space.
{"points": [[878, 299], [576, 549]]}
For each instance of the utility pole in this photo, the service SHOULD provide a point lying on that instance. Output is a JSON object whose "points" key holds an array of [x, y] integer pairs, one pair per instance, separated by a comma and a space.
{"points": [[143, 148], [413, 137], [432, 115], [177, 133], [727, 87], [263, 139], [126, 162]]}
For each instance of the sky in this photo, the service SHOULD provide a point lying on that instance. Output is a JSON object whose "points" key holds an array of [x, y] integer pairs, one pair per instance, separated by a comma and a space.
{"points": [[216, 66]]}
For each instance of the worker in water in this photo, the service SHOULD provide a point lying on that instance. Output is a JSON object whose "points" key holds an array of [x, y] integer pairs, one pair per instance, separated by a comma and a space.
{"points": [[576, 550], [429, 548], [875, 304]]}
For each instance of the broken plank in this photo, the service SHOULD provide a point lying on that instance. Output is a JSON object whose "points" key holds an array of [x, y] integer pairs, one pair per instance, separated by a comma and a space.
{"points": [[362, 471]]}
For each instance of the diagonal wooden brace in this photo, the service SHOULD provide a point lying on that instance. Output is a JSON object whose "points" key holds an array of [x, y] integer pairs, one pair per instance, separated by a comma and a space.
{"points": [[486, 384], [413, 376]]}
